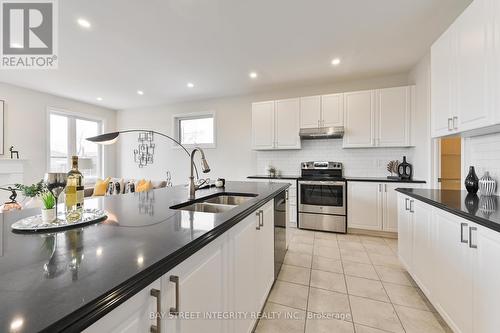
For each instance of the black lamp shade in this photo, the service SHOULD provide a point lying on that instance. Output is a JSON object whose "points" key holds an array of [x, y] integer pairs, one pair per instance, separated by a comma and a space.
{"points": [[105, 139]]}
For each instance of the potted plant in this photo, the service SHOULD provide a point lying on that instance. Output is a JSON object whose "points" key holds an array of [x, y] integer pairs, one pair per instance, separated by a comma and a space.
{"points": [[49, 207], [32, 192]]}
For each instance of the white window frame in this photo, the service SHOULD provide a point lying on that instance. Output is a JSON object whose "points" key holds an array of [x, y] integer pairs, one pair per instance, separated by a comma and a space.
{"points": [[176, 119], [72, 136]]}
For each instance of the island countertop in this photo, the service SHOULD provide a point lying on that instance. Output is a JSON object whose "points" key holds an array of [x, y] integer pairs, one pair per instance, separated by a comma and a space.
{"points": [[65, 281]]}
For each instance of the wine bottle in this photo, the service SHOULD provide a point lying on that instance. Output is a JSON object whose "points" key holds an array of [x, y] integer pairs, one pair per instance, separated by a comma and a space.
{"points": [[74, 192]]}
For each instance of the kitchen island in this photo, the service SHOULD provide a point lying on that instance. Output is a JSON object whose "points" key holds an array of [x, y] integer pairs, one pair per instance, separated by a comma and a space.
{"points": [[118, 272]]}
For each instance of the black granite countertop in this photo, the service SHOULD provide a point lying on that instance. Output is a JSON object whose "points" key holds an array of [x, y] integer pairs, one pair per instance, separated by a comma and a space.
{"points": [[65, 281], [481, 210], [349, 179]]}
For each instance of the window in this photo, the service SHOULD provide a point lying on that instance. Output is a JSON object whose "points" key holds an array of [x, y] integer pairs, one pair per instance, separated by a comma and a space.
{"points": [[67, 138], [196, 129]]}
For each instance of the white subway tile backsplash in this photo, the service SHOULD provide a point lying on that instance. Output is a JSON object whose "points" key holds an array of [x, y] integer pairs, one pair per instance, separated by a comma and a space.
{"points": [[363, 162], [483, 152]]}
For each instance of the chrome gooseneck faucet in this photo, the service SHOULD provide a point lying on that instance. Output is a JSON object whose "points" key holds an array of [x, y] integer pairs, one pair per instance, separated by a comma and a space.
{"points": [[205, 168]]}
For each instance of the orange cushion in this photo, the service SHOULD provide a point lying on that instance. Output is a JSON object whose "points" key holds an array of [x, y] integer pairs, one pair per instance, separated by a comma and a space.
{"points": [[144, 186], [101, 187]]}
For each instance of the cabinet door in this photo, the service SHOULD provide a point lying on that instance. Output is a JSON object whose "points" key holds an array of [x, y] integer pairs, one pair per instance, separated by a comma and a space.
{"points": [[423, 251], [453, 272], [405, 231], [359, 113], [244, 257], [393, 117], [441, 84], [486, 281], [265, 254], [390, 205], [263, 125], [364, 205], [287, 124], [472, 67], [133, 316], [310, 112], [332, 110], [202, 289]]}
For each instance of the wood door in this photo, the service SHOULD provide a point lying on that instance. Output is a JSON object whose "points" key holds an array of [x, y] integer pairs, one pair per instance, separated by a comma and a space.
{"points": [[359, 116], [441, 84], [133, 316], [332, 110], [473, 67], [454, 285], [364, 205], [310, 112], [263, 125], [393, 117], [486, 280], [287, 124]]}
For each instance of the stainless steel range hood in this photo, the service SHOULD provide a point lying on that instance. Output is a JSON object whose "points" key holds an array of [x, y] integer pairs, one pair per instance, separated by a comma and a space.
{"points": [[322, 133]]}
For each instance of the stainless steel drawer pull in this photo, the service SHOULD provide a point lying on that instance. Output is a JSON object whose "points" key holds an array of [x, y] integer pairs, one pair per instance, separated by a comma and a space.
{"points": [[261, 220], [156, 294], [471, 245], [175, 310], [462, 225], [258, 221]]}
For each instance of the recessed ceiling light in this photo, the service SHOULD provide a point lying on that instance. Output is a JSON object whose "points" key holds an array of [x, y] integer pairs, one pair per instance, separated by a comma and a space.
{"points": [[99, 99], [190, 85], [140, 92], [335, 61], [83, 23], [253, 75]]}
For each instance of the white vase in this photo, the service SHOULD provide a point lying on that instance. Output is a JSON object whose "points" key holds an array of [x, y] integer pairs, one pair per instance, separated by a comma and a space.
{"points": [[48, 215], [487, 185], [32, 203]]}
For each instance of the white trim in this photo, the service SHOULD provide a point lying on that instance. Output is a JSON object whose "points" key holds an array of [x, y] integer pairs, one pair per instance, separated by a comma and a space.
{"points": [[175, 128]]}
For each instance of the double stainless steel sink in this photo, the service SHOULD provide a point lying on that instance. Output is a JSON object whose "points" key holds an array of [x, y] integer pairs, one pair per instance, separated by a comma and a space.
{"points": [[218, 203]]}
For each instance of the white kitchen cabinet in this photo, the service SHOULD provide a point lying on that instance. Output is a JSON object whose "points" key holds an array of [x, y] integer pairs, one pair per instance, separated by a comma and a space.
{"points": [[394, 107], [421, 241], [486, 280], [374, 206], [265, 254], [310, 112], [378, 118], [263, 125], [275, 125], [359, 117], [287, 124], [133, 316], [332, 110], [405, 231]]}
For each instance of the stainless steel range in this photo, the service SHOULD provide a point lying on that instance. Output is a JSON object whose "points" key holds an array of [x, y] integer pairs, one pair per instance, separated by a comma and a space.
{"points": [[322, 200]]}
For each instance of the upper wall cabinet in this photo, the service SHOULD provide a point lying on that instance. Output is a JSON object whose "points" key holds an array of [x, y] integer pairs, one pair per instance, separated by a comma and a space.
{"points": [[322, 111], [378, 118], [275, 124], [464, 72]]}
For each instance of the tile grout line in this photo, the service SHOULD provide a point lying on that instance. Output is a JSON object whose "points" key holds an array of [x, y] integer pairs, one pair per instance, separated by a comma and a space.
{"points": [[347, 290]]}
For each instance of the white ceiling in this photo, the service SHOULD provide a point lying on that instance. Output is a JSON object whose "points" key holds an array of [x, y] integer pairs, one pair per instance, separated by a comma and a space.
{"points": [[158, 46]]}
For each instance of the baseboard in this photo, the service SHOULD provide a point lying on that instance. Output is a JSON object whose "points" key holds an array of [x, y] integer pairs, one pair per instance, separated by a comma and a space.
{"points": [[376, 233]]}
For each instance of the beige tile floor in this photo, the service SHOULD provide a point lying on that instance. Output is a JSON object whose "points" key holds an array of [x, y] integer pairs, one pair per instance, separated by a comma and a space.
{"points": [[346, 283]]}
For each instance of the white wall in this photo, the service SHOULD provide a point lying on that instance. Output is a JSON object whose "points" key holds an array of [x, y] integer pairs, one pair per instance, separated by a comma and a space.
{"points": [[27, 130], [420, 76], [482, 152], [233, 157]]}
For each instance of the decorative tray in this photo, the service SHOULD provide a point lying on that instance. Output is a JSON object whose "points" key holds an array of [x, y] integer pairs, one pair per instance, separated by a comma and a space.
{"points": [[35, 223]]}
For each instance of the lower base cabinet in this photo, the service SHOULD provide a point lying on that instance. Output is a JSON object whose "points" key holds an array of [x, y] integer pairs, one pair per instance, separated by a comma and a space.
{"points": [[233, 273], [454, 262]]}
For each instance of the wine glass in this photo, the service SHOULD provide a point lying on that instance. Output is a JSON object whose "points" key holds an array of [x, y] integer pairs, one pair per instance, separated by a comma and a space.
{"points": [[56, 183]]}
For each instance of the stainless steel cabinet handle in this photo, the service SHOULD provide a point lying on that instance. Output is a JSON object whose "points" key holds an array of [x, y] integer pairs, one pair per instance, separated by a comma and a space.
{"points": [[411, 206], [450, 124], [471, 245], [156, 294], [407, 200], [261, 220], [258, 220], [175, 310], [455, 122], [462, 240]]}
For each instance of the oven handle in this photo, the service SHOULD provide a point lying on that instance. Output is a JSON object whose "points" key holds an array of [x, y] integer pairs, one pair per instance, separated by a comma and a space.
{"points": [[319, 182]]}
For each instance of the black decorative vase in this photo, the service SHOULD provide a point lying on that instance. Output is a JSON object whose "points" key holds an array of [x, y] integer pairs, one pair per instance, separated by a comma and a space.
{"points": [[405, 170], [472, 181]]}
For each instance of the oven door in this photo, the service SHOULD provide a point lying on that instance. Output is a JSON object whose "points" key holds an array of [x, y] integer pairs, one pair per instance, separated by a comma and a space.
{"points": [[322, 197]]}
